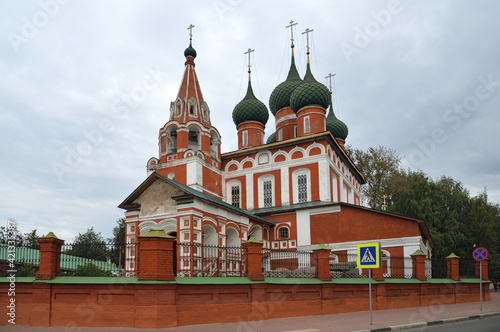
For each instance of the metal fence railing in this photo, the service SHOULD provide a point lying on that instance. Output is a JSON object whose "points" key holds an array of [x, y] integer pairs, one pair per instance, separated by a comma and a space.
{"points": [[343, 265], [289, 263], [398, 267], [195, 260], [96, 259], [24, 259], [435, 268], [467, 268]]}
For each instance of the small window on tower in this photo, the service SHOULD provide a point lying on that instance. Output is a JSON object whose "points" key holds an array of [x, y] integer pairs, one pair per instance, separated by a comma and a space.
{"points": [[295, 131], [244, 138], [280, 135], [307, 127], [191, 109]]}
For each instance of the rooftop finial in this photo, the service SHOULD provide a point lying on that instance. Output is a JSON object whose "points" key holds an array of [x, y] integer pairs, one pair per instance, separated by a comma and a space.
{"points": [[248, 52], [291, 31], [330, 81], [307, 34], [190, 28]]}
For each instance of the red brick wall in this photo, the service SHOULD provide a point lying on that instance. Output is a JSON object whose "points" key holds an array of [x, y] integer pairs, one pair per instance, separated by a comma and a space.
{"points": [[355, 224], [167, 305]]}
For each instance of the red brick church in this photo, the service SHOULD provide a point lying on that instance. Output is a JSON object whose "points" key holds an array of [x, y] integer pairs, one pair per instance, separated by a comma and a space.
{"points": [[295, 190]]}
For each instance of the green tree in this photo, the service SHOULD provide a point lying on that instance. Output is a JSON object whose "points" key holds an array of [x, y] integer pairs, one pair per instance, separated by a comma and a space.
{"points": [[89, 245], [381, 168], [90, 270], [118, 243]]}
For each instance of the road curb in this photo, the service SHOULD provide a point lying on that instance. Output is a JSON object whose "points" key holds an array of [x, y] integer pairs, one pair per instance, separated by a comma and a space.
{"points": [[431, 323]]}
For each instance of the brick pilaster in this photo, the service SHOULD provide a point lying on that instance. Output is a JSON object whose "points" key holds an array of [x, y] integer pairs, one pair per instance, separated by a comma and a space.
{"points": [[378, 274], [485, 269], [50, 257], [452, 270], [418, 261], [253, 258], [156, 256], [323, 254]]}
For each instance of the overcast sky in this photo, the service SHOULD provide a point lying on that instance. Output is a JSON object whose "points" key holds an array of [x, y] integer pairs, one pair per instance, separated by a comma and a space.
{"points": [[86, 85]]}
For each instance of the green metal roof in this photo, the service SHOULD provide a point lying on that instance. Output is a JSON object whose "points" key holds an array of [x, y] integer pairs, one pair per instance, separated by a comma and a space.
{"points": [[190, 51], [292, 207], [271, 138], [250, 109], [309, 93], [280, 97], [335, 126]]}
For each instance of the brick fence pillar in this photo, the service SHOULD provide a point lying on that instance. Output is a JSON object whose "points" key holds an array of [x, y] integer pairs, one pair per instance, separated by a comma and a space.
{"points": [[156, 256], [485, 270], [452, 270], [323, 253], [50, 257], [418, 262], [378, 273], [253, 258]]}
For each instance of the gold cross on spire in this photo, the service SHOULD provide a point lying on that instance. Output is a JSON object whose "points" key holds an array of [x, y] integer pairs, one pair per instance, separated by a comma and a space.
{"points": [[248, 52], [307, 35], [291, 31], [385, 205], [190, 28], [330, 80]]}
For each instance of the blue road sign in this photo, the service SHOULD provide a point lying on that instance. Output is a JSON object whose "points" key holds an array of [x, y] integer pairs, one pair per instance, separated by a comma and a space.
{"points": [[480, 254], [369, 255]]}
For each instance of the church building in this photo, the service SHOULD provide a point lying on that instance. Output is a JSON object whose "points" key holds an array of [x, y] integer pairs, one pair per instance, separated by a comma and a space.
{"points": [[293, 191]]}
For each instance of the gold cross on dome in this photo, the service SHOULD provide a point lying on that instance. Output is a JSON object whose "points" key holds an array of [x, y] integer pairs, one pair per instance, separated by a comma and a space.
{"points": [[190, 28], [291, 30], [385, 205], [330, 80], [248, 52]]}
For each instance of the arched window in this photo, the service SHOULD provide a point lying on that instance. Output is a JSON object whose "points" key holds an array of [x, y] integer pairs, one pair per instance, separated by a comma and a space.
{"points": [[214, 146], [194, 138], [301, 185], [235, 196], [172, 140], [266, 191], [283, 233]]}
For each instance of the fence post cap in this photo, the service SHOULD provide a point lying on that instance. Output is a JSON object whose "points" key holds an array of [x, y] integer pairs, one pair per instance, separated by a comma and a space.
{"points": [[50, 236], [158, 233], [418, 253], [452, 255], [321, 246], [252, 239]]}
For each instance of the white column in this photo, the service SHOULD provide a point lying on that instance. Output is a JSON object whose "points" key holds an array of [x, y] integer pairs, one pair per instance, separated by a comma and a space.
{"points": [[303, 228], [324, 180], [249, 184], [285, 186]]}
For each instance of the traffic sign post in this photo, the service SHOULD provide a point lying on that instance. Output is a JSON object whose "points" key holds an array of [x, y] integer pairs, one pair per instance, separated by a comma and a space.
{"points": [[369, 257], [480, 254]]}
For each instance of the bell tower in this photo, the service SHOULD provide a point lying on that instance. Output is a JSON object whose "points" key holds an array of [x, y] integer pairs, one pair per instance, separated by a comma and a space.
{"points": [[189, 146]]}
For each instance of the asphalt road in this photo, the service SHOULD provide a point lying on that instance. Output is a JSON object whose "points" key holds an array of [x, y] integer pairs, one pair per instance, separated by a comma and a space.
{"points": [[476, 325]]}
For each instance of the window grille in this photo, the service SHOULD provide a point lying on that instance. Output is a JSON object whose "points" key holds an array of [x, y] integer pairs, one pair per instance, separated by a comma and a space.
{"points": [[268, 193], [235, 196], [302, 188]]}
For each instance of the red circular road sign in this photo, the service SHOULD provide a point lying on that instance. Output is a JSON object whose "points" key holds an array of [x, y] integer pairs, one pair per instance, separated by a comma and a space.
{"points": [[480, 254]]}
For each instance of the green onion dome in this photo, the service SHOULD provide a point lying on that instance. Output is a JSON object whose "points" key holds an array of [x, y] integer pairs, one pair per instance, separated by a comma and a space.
{"points": [[309, 92], [250, 109], [190, 51], [335, 126], [271, 138], [280, 97]]}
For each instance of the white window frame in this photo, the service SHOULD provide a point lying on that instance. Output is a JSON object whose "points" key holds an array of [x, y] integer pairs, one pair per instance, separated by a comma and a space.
{"points": [[244, 138], [280, 135], [307, 124], [261, 181], [295, 131], [229, 197], [295, 186]]}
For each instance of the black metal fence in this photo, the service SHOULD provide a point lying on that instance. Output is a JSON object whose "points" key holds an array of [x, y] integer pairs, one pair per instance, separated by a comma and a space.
{"points": [[436, 268], [24, 259], [195, 260], [467, 268], [343, 265], [96, 259], [289, 263]]}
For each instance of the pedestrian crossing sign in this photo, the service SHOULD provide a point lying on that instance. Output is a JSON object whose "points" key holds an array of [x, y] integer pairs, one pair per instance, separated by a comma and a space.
{"points": [[369, 255]]}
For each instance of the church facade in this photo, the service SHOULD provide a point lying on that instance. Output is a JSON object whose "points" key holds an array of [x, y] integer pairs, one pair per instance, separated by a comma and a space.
{"points": [[293, 191]]}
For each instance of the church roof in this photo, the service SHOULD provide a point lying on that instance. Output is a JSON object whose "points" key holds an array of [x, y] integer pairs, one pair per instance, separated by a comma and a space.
{"points": [[250, 109], [128, 203]]}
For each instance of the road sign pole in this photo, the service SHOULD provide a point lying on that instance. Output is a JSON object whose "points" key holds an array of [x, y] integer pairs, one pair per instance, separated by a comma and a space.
{"points": [[370, 291], [481, 285]]}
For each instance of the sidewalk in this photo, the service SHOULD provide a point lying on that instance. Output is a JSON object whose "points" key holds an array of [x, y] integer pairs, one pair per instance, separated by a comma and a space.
{"points": [[356, 321]]}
